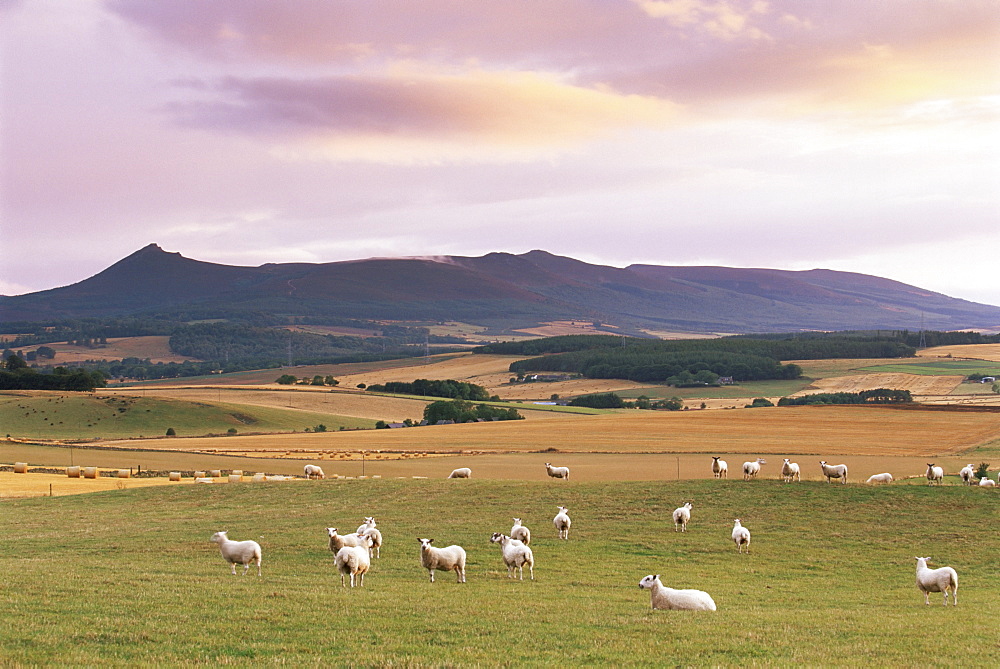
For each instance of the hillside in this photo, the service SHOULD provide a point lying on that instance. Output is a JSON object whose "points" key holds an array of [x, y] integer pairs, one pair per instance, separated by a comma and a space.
{"points": [[502, 291]]}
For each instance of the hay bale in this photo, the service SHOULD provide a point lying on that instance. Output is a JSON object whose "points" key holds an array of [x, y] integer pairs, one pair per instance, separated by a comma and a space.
{"points": [[175, 476], [73, 472], [199, 475], [124, 473], [90, 472], [204, 479], [215, 473], [238, 472], [235, 478], [259, 477], [20, 467]]}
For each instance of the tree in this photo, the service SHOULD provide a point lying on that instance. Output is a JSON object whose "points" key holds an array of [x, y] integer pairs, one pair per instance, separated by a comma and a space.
{"points": [[318, 380], [14, 363], [287, 379], [171, 432], [330, 381]]}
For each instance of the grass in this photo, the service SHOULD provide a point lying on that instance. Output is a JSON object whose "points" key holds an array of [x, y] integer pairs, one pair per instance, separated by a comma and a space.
{"points": [[776, 388], [940, 368], [129, 577]]}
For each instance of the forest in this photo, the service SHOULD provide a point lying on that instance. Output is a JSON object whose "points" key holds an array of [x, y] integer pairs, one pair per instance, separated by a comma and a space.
{"points": [[459, 390]]}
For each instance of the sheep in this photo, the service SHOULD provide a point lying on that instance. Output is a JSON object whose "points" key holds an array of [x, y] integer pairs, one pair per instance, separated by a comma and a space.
{"points": [[720, 468], [662, 597], [520, 532], [741, 536], [936, 580], [375, 541], [790, 471], [314, 472], [557, 472], [885, 477], [833, 472], [934, 474], [451, 558], [365, 526], [338, 541], [987, 482], [562, 522], [354, 560], [515, 555], [682, 515], [461, 473], [967, 474], [750, 469], [244, 552]]}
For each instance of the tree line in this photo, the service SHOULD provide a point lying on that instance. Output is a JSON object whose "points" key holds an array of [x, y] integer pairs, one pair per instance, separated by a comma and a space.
{"points": [[876, 396], [435, 388], [16, 375]]}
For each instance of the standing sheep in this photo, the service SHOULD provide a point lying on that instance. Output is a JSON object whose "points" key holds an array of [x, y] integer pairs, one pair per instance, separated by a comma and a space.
{"points": [[451, 558], [314, 472], [884, 477], [338, 541], [967, 474], [751, 469], [562, 522], [936, 580], [557, 472], [515, 555], [365, 526], [741, 536], [662, 597], [682, 515], [374, 537], [833, 472], [520, 532], [461, 473], [244, 552], [720, 468], [934, 474], [353, 560], [790, 471]]}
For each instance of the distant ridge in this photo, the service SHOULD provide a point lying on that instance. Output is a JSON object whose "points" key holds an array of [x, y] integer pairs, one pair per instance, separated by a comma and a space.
{"points": [[502, 291]]}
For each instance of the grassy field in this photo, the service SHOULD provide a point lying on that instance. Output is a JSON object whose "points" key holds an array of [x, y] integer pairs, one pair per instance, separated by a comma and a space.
{"points": [[128, 577], [940, 367]]}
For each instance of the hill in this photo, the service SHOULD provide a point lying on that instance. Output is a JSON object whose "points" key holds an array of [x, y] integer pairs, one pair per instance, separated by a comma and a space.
{"points": [[502, 291]]}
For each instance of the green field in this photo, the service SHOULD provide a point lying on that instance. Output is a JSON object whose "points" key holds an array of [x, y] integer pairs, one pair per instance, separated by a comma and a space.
{"points": [[128, 577], [84, 416], [940, 368]]}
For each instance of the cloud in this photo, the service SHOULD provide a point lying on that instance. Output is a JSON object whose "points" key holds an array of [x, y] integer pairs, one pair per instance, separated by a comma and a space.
{"points": [[724, 20]]}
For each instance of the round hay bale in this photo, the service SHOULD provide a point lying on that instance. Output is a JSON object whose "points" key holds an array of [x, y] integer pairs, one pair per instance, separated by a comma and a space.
{"points": [[199, 475], [124, 473], [215, 473], [73, 472], [237, 472], [90, 472], [235, 478], [204, 479], [175, 476], [20, 467], [258, 477]]}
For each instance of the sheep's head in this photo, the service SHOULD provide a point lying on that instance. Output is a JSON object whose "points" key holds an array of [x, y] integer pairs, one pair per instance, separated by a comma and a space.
{"points": [[648, 582], [562, 509], [497, 538], [425, 543], [517, 520], [331, 531], [219, 537], [737, 521]]}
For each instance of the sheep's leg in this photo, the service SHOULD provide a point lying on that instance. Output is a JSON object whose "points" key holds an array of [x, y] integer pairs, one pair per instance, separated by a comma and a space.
{"points": [[233, 564], [927, 598], [246, 568], [432, 574], [343, 581], [531, 569], [954, 596]]}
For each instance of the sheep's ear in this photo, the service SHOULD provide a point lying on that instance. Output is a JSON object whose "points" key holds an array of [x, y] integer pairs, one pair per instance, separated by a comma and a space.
{"points": [[656, 577]]}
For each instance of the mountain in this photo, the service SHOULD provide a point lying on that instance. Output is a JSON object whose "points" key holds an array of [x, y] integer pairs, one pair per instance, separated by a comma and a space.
{"points": [[502, 291]]}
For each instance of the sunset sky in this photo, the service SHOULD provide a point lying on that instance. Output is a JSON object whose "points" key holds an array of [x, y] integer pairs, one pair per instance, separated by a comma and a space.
{"points": [[794, 134]]}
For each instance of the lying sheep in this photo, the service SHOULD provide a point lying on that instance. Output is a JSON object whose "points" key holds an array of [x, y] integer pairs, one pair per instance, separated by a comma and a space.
{"points": [[936, 580], [314, 472], [884, 477], [662, 597], [720, 468], [557, 472], [520, 532], [353, 560], [833, 472], [244, 552], [751, 469], [987, 482], [967, 474], [934, 474], [451, 558], [682, 515], [790, 471], [338, 541], [460, 473], [741, 536], [562, 522], [515, 555]]}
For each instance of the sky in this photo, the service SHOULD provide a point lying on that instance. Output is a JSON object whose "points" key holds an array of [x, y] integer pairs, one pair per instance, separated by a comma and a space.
{"points": [[791, 134]]}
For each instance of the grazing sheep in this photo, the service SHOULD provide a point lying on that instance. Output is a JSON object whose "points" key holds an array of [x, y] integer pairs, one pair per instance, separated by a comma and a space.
{"points": [[885, 477], [244, 552], [461, 473], [720, 468], [934, 474], [515, 555], [987, 482], [562, 522], [451, 558], [741, 536], [834, 472], [314, 472], [353, 560], [338, 541], [790, 471], [365, 526], [967, 474], [520, 532], [750, 469], [375, 541], [936, 580], [662, 597], [557, 472], [682, 515]]}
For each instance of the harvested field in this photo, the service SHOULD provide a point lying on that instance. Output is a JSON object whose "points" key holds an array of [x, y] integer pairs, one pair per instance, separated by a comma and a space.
{"points": [[156, 348], [35, 484], [558, 328], [974, 351], [918, 385]]}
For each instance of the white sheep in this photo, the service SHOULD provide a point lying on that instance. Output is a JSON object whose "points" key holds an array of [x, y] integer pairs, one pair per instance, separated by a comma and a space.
{"points": [[367, 525], [682, 515], [515, 555], [461, 473], [662, 597], [338, 541], [934, 474], [557, 472], [520, 532], [562, 522], [314, 472], [750, 469], [244, 552], [353, 560], [720, 468], [790, 471], [987, 482], [741, 536], [884, 477], [936, 580], [375, 537], [451, 558], [833, 472], [967, 474]]}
